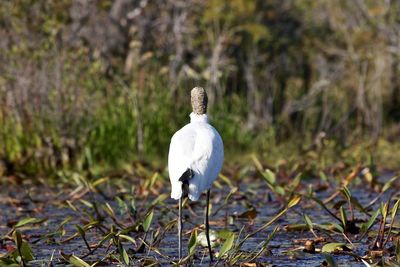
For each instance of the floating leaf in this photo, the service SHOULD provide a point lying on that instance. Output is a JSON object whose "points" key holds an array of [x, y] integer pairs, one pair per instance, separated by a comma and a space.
{"points": [[332, 247], [202, 239]]}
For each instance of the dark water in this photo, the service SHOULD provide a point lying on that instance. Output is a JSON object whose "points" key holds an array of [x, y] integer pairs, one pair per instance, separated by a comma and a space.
{"points": [[283, 249]]}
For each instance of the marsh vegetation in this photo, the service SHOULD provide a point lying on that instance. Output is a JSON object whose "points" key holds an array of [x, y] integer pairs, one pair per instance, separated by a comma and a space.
{"points": [[305, 95]]}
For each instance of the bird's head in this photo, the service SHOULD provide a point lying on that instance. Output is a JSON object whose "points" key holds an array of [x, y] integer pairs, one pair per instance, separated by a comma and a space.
{"points": [[199, 100]]}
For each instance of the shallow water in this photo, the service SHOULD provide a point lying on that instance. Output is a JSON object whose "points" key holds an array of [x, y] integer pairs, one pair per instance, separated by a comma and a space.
{"points": [[283, 249]]}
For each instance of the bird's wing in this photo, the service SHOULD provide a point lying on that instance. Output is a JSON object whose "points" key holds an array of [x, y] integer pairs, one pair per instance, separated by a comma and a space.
{"points": [[198, 147], [207, 160], [180, 157]]}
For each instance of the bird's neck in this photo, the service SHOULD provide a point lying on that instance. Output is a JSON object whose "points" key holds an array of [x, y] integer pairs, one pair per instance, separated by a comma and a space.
{"points": [[198, 118]]}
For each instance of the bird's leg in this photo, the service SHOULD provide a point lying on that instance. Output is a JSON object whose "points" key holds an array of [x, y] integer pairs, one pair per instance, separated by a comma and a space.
{"points": [[180, 228], [208, 225], [186, 176]]}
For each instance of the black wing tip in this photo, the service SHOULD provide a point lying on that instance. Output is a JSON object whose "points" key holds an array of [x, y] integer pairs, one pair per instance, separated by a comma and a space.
{"points": [[186, 176]]}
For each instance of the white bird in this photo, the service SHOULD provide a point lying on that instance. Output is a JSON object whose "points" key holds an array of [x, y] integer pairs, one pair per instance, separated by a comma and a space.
{"points": [[196, 155]]}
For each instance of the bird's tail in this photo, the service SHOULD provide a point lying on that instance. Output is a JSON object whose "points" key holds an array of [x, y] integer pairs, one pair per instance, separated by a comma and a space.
{"points": [[182, 187]]}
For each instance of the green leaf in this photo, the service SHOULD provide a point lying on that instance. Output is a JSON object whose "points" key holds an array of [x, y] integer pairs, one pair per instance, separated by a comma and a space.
{"points": [[26, 251], [385, 210], [105, 238], [192, 242], [257, 163], [366, 226], [17, 238], [308, 222], [343, 216], [109, 210], [86, 203], [147, 221], [280, 190], [160, 199], [77, 262], [332, 247], [224, 234], [330, 260], [80, 230], [389, 183], [28, 221], [294, 201], [122, 206], [346, 192], [130, 239], [100, 181], [125, 256], [226, 246], [338, 227], [296, 181], [269, 176], [395, 209], [329, 227]]}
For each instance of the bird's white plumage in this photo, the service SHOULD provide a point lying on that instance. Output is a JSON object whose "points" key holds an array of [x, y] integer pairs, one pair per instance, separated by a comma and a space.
{"points": [[197, 146]]}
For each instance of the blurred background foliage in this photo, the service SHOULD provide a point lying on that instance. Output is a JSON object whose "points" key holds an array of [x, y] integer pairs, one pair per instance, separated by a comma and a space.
{"points": [[87, 84]]}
